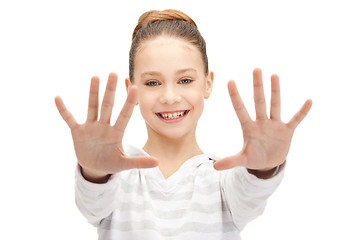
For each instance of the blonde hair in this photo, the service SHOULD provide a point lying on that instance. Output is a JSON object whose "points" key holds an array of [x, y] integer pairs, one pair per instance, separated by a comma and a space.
{"points": [[167, 22]]}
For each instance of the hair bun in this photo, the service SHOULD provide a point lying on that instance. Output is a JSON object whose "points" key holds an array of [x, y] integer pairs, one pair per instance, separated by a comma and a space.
{"points": [[155, 15]]}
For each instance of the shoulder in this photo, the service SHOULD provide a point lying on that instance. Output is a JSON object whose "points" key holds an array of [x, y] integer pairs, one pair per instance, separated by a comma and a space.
{"points": [[204, 168]]}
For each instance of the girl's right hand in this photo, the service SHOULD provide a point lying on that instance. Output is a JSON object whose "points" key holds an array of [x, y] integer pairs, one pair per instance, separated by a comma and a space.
{"points": [[98, 145]]}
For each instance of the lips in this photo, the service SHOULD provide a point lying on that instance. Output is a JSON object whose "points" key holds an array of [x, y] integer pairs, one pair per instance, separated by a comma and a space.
{"points": [[172, 115]]}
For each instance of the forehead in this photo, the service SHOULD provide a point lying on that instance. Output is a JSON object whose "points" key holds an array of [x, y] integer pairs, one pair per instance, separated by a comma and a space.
{"points": [[167, 55]]}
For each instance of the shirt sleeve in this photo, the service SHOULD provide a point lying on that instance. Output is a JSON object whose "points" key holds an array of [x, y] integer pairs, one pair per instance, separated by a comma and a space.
{"points": [[245, 194], [95, 201]]}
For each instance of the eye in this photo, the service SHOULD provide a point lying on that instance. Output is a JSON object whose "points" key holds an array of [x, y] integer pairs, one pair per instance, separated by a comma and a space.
{"points": [[185, 81], [152, 83]]}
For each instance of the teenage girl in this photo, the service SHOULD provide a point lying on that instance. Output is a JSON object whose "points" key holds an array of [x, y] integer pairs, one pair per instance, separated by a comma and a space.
{"points": [[170, 189]]}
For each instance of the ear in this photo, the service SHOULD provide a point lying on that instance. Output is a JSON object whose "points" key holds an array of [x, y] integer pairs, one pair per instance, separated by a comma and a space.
{"points": [[209, 84], [128, 85]]}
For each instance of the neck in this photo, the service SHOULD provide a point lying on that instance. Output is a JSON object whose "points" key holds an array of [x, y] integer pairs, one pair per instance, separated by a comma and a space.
{"points": [[171, 150]]}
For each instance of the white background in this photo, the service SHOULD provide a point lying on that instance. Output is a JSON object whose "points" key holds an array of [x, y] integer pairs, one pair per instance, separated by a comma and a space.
{"points": [[50, 48]]}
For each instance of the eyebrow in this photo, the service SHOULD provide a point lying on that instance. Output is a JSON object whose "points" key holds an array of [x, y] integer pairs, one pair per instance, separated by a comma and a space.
{"points": [[186, 70], [181, 71]]}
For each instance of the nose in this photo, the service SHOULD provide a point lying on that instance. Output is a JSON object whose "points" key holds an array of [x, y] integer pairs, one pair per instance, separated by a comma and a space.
{"points": [[170, 95]]}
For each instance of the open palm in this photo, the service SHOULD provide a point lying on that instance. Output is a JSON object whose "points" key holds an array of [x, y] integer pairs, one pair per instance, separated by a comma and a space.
{"points": [[266, 140], [98, 145]]}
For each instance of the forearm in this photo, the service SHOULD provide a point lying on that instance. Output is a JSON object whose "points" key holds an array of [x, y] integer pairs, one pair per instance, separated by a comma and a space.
{"points": [[95, 201], [246, 194]]}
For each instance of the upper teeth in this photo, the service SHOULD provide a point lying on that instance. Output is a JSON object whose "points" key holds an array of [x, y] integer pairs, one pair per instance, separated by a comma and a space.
{"points": [[172, 115]]}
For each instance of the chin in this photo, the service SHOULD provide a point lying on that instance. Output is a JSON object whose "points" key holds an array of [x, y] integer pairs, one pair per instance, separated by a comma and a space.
{"points": [[171, 133]]}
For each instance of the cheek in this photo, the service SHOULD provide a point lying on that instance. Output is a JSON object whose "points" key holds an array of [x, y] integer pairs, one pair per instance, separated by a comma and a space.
{"points": [[196, 99], [146, 102]]}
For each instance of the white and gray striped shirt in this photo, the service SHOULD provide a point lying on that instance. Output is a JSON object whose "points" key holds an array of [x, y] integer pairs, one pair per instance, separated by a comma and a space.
{"points": [[196, 202]]}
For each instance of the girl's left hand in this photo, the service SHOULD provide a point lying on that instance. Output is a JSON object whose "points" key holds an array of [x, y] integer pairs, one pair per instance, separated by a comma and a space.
{"points": [[266, 140]]}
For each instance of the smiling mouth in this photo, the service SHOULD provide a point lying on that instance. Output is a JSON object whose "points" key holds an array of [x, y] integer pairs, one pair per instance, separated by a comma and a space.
{"points": [[172, 115]]}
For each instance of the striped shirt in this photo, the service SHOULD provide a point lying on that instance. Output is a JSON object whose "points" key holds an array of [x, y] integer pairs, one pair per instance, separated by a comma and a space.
{"points": [[196, 202]]}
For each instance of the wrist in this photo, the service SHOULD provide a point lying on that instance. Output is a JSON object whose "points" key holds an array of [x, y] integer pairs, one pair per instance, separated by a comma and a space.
{"points": [[94, 176], [267, 173]]}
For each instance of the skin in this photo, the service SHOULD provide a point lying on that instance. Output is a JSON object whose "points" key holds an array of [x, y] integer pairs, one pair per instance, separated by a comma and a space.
{"points": [[176, 70], [162, 61]]}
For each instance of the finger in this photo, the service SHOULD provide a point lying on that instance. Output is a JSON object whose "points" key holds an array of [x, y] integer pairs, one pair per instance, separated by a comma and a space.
{"points": [[230, 162], [93, 108], [275, 109], [259, 96], [65, 114], [108, 101], [238, 104], [127, 109], [300, 115]]}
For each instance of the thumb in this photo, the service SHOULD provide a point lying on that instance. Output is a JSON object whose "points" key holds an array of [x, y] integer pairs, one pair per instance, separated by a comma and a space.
{"points": [[140, 162], [231, 162]]}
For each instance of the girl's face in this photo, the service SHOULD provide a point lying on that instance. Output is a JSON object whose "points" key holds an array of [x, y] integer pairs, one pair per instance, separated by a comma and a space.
{"points": [[169, 74]]}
